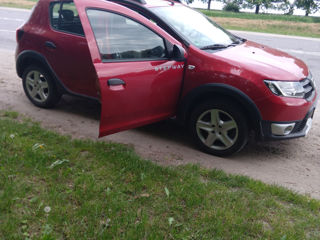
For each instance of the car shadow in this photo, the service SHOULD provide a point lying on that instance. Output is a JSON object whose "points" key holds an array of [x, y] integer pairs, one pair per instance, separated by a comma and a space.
{"points": [[171, 130], [273, 150], [85, 107]]}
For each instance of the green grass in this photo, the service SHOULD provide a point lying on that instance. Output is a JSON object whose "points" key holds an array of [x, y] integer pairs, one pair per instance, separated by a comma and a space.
{"points": [[274, 28], [28, 4], [52, 187], [261, 16], [268, 23]]}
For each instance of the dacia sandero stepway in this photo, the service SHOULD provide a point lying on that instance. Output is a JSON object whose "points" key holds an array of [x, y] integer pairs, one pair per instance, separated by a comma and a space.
{"points": [[148, 60]]}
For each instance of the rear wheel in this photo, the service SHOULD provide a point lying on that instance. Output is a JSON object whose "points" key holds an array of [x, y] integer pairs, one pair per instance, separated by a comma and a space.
{"points": [[219, 127], [39, 87]]}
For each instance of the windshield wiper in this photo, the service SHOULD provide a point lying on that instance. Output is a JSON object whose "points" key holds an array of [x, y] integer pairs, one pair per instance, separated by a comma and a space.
{"points": [[240, 39], [214, 46], [219, 46]]}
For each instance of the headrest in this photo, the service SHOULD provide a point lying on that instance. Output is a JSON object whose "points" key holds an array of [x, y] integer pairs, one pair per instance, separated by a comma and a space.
{"points": [[67, 15]]}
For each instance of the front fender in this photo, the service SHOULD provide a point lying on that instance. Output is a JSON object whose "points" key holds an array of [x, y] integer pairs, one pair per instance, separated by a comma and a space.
{"points": [[218, 90]]}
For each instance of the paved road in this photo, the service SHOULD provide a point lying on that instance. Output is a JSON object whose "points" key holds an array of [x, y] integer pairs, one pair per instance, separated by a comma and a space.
{"points": [[10, 20]]}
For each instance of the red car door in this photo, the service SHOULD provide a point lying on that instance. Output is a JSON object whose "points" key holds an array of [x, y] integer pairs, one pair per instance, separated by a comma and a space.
{"points": [[138, 83], [66, 49]]}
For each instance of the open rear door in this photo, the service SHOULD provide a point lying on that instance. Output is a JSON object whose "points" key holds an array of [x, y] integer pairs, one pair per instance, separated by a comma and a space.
{"points": [[138, 83]]}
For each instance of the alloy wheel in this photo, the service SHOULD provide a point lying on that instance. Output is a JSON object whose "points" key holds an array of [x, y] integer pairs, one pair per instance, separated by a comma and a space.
{"points": [[37, 86], [217, 129]]}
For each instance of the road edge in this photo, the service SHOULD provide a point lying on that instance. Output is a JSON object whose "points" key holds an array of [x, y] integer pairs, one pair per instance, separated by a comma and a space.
{"points": [[275, 35], [15, 9]]}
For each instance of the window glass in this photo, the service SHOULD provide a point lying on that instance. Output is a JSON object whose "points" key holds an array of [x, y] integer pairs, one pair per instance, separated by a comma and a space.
{"points": [[121, 38], [194, 26], [65, 17]]}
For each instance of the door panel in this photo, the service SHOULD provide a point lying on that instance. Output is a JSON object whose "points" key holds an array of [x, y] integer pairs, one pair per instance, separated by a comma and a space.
{"points": [[70, 52], [138, 84], [147, 96]]}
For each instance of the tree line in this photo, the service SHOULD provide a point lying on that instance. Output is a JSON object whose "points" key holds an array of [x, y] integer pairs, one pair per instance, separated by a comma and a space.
{"points": [[309, 6]]}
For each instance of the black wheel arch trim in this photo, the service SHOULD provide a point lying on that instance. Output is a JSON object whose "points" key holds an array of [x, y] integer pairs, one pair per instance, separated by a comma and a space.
{"points": [[187, 103], [30, 54]]}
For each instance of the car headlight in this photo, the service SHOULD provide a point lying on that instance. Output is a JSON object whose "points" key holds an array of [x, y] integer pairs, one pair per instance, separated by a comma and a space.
{"points": [[286, 88]]}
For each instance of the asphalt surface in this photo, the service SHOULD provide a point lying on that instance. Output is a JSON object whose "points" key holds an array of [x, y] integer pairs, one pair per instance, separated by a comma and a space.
{"points": [[10, 20]]}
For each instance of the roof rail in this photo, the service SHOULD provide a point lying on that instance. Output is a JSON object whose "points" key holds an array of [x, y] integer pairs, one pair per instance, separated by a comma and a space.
{"points": [[129, 2], [174, 1], [143, 1], [138, 1]]}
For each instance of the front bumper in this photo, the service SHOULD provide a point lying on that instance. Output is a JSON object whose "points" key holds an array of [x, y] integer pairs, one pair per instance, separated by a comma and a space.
{"points": [[300, 129]]}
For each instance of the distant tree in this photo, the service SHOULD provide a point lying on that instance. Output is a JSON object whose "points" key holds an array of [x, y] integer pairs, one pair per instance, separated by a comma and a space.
{"points": [[231, 7], [291, 6], [257, 4], [286, 6], [204, 1], [208, 2], [260, 4], [310, 6]]}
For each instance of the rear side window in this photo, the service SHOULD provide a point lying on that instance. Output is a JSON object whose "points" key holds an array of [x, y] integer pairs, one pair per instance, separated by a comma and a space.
{"points": [[120, 38], [65, 18]]}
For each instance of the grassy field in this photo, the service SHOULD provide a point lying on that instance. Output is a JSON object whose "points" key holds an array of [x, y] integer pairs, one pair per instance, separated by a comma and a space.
{"points": [[268, 23], [270, 26], [273, 17], [52, 187], [18, 3]]}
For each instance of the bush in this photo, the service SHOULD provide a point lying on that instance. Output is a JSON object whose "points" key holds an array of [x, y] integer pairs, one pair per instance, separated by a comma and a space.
{"points": [[231, 7]]}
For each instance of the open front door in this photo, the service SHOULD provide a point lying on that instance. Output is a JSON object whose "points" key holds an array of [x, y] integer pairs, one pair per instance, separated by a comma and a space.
{"points": [[138, 83]]}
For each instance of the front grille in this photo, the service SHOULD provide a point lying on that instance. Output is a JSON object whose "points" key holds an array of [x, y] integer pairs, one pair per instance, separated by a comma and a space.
{"points": [[309, 89]]}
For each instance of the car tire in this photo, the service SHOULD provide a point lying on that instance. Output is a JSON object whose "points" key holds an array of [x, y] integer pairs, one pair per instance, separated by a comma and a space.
{"points": [[219, 127], [39, 87]]}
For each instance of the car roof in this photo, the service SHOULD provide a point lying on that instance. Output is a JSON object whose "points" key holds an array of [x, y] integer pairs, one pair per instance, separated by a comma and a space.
{"points": [[144, 3], [158, 3], [149, 3]]}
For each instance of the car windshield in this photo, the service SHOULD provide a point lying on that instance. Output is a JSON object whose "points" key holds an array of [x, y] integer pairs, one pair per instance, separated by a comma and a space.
{"points": [[195, 27]]}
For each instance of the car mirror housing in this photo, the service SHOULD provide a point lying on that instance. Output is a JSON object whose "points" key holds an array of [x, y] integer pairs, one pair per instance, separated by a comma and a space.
{"points": [[175, 52], [178, 53]]}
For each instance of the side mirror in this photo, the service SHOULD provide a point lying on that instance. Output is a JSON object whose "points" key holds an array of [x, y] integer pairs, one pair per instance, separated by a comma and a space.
{"points": [[175, 52], [178, 53]]}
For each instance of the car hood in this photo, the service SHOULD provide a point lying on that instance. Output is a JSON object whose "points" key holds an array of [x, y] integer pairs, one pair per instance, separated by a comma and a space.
{"points": [[270, 63]]}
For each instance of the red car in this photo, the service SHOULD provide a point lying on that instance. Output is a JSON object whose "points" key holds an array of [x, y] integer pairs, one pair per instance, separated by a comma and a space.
{"points": [[148, 60]]}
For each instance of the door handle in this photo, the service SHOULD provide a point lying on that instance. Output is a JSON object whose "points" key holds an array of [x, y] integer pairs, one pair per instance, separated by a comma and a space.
{"points": [[49, 44], [115, 82]]}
